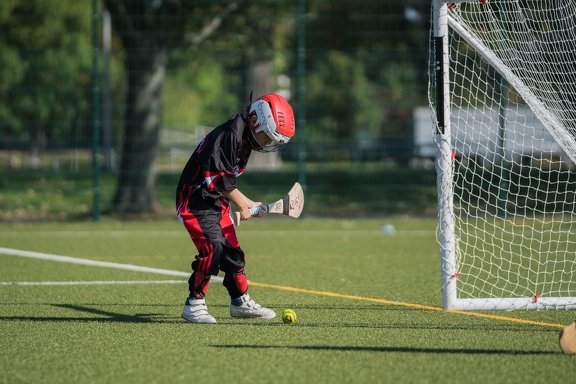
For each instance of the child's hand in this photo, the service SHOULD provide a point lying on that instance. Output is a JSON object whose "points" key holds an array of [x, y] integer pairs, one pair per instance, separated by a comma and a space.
{"points": [[245, 214], [260, 207]]}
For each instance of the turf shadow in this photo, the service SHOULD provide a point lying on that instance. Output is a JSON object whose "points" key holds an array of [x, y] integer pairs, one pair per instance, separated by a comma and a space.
{"points": [[344, 348], [103, 316]]}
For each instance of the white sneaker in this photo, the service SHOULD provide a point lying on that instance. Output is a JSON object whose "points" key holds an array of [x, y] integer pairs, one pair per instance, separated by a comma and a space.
{"points": [[250, 310], [196, 311]]}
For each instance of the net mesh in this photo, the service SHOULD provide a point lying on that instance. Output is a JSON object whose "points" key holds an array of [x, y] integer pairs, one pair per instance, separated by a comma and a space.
{"points": [[513, 124]]}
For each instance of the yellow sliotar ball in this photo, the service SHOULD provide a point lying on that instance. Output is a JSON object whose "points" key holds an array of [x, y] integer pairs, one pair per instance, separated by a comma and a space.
{"points": [[288, 316]]}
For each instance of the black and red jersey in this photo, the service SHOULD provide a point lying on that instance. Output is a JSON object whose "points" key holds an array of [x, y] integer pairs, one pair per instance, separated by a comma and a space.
{"points": [[217, 161]]}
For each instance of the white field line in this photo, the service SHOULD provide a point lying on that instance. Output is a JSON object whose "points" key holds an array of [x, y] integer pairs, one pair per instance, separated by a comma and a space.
{"points": [[129, 282], [107, 234], [121, 234], [94, 263]]}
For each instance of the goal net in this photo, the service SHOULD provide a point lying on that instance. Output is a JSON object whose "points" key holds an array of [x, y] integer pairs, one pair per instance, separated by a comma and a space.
{"points": [[502, 92]]}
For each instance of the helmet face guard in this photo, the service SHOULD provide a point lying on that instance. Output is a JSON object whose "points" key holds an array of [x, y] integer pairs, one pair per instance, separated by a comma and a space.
{"points": [[274, 117]]}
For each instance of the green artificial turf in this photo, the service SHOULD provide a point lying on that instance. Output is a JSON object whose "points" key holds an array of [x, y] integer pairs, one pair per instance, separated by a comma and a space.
{"points": [[368, 306]]}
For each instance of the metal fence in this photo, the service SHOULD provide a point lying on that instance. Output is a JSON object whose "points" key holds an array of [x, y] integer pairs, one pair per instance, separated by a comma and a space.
{"points": [[354, 72]]}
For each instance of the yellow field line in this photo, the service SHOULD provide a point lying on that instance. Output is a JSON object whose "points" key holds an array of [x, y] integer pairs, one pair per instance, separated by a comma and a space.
{"points": [[37, 255], [402, 304]]}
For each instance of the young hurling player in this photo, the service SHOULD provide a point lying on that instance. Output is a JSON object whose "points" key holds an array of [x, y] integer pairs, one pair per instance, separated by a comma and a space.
{"points": [[206, 187]]}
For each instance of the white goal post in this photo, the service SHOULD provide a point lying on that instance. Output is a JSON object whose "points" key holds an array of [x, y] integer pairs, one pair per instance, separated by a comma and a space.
{"points": [[502, 93]]}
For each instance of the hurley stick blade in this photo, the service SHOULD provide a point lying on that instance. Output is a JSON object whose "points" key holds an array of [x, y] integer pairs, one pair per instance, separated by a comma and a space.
{"points": [[291, 204], [568, 339]]}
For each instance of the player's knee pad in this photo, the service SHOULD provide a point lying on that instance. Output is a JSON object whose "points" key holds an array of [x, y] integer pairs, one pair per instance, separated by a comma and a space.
{"points": [[198, 285], [236, 284]]}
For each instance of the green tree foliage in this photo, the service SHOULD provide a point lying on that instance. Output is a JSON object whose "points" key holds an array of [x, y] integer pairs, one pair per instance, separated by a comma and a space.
{"points": [[363, 75], [45, 64], [344, 98], [388, 40], [197, 93], [211, 72]]}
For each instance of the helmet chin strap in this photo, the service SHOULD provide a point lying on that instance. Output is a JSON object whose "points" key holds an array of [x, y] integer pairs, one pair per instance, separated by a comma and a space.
{"points": [[252, 142], [257, 146]]}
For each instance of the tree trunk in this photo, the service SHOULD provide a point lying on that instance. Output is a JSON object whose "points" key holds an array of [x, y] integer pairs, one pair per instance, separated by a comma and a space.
{"points": [[136, 189]]}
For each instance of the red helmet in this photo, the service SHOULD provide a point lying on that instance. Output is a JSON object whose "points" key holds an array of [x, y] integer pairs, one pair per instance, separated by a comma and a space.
{"points": [[276, 118]]}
